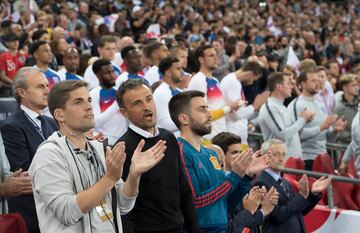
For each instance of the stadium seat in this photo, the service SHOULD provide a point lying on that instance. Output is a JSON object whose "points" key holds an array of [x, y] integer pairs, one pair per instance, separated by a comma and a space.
{"points": [[12, 223]]}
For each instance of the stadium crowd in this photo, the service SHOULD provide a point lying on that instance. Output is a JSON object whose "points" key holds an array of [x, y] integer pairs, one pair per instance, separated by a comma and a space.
{"points": [[134, 116]]}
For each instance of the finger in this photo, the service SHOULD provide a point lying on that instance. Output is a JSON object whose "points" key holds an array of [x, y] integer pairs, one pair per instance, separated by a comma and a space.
{"points": [[159, 147], [257, 153], [140, 146], [16, 173]]}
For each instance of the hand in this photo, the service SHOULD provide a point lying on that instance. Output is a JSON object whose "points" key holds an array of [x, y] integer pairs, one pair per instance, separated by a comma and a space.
{"points": [[270, 200], [343, 168], [259, 163], [340, 124], [252, 200], [114, 161], [307, 115], [142, 162], [241, 162], [234, 105], [18, 183], [331, 119], [303, 186], [260, 99], [319, 185], [92, 135]]}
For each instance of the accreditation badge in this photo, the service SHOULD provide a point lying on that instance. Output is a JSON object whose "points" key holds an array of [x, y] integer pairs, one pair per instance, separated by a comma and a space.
{"points": [[104, 211], [215, 162]]}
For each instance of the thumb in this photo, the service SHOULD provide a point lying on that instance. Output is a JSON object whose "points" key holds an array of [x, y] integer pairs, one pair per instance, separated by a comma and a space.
{"points": [[108, 151], [140, 146]]}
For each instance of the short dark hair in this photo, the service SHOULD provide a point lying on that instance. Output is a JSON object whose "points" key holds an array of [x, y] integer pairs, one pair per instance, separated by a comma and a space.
{"points": [[181, 103], [98, 64], [303, 75], [253, 66], [38, 34], [275, 79], [128, 85], [150, 48], [36, 45], [106, 39], [60, 93], [199, 52], [166, 63], [225, 139], [125, 51]]}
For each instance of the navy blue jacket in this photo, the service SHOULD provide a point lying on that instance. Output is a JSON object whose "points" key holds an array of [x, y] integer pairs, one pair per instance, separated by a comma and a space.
{"points": [[287, 216]]}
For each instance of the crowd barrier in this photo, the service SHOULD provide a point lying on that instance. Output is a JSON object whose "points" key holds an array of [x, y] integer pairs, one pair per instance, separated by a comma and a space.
{"points": [[327, 220], [335, 150], [7, 106]]}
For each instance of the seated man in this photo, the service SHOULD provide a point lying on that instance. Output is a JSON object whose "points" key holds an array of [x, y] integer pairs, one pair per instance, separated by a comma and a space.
{"points": [[287, 216], [247, 214], [76, 181]]}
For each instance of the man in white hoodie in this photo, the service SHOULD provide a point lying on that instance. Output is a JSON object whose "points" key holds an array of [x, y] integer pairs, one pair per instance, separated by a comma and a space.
{"points": [[76, 187]]}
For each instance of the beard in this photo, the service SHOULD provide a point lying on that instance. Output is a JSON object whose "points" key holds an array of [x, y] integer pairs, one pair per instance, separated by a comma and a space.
{"points": [[200, 129]]}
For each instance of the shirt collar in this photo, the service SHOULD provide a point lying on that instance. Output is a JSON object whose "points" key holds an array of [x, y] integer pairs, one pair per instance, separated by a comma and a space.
{"points": [[142, 132], [273, 174], [33, 115], [276, 100]]}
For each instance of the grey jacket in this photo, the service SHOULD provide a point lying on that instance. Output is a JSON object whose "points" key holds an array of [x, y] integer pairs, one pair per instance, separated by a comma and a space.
{"points": [[56, 181], [4, 172]]}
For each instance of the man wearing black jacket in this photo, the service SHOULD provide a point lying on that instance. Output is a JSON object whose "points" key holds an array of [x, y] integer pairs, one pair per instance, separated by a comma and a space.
{"points": [[164, 203], [287, 216]]}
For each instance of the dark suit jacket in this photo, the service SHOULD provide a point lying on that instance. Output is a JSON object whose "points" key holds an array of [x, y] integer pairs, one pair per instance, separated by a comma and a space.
{"points": [[21, 140], [287, 216]]}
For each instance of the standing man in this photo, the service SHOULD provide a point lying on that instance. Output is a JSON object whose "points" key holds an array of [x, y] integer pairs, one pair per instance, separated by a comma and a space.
{"points": [[154, 52], [231, 86], [132, 59], [108, 119], [164, 203], [171, 69], [77, 182], [211, 187], [24, 131], [106, 49], [315, 133], [287, 215], [274, 119], [41, 51], [71, 60], [204, 81]]}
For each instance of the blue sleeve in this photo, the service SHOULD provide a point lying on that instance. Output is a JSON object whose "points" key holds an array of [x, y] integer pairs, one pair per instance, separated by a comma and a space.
{"points": [[236, 196]]}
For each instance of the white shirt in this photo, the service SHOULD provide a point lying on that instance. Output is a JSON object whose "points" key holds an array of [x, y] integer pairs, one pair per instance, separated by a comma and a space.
{"points": [[162, 96], [142, 132], [237, 123], [124, 77], [214, 98], [91, 78], [152, 75], [33, 115], [62, 74], [110, 122]]}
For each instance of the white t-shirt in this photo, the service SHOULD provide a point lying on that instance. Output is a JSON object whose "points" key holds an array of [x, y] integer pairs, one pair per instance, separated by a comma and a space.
{"points": [[153, 75]]}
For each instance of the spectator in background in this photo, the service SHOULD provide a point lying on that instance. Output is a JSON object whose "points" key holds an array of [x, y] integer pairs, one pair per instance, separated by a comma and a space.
{"points": [[108, 119], [172, 71], [106, 49], [290, 72], [58, 47], [315, 133], [155, 52], [42, 54], [333, 71], [24, 131], [347, 104], [325, 94], [132, 60], [10, 61], [71, 60]]}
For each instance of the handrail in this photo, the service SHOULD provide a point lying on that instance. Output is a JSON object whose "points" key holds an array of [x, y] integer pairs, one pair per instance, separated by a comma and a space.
{"points": [[320, 174]]}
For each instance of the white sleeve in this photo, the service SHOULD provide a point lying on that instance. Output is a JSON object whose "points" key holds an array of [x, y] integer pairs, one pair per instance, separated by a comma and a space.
{"points": [[198, 84], [125, 204], [163, 115], [91, 78], [151, 76]]}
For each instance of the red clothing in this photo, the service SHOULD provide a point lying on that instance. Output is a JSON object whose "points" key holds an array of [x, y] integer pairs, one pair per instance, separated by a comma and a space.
{"points": [[11, 63]]}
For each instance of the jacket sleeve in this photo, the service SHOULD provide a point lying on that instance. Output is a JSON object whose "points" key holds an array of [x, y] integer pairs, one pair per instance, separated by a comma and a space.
{"points": [[312, 201], [236, 196], [16, 150], [218, 191]]}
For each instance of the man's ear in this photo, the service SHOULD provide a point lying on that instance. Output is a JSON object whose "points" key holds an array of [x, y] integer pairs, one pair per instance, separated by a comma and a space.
{"points": [[59, 115], [21, 92], [124, 112], [184, 119]]}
